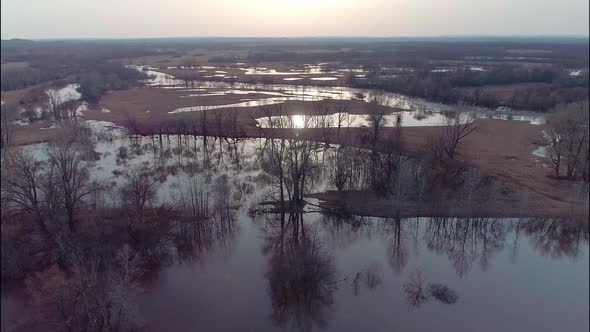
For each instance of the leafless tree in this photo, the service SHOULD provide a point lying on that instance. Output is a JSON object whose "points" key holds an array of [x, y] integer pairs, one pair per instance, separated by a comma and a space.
{"points": [[300, 155], [339, 166], [66, 156], [232, 116], [341, 109], [567, 138], [377, 114], [54, 101], [30, 112], [377, 120], [434, 150], [8, 115], [51, 191], [96, 295], [194, 198], [139, 192], [274, 161], [585, 169], [219, 121], [456, 129], [71, 107], [324, 120], [21, 182]]}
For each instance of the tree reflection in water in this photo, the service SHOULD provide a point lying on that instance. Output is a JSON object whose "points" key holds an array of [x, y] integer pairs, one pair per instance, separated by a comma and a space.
{"points": [[198, 236], [415, 289], [443, 294], [418, 291], [301, 275], [465, 241], [397, 250]]}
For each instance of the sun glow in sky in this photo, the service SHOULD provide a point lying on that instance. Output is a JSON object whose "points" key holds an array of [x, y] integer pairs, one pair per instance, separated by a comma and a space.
{"points": [[290, 18]]}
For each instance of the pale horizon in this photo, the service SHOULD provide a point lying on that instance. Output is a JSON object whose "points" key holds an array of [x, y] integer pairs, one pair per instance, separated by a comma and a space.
{"points": [[109, 19]]}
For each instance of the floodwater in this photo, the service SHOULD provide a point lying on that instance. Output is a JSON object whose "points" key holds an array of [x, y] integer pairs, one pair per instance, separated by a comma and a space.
{"points": [[421, 112], [61, 95], [406, 119], [311, 271], [369, 274], [307, 69], [324, 78]]}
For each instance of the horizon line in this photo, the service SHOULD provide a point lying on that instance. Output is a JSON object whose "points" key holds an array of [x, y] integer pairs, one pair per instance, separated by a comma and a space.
{"points": [[515, 36]]}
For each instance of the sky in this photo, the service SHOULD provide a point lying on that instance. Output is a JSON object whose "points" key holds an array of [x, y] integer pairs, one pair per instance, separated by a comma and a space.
{"points": [[39, 19]]}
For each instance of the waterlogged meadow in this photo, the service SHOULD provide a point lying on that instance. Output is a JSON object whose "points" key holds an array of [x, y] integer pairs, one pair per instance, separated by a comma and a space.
{"points": [[227, 239]]}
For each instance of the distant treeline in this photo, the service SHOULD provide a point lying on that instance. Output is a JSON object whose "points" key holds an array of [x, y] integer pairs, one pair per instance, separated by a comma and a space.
{"points": [[545, 88], [107, 76], [49, 61], [574, 54]]}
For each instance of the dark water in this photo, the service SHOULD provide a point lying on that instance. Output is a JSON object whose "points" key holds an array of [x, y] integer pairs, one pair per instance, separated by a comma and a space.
{"points": [[378, 275], [304, 272]]}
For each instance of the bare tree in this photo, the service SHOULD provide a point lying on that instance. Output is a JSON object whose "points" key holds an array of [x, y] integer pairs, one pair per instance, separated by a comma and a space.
{"points": [[52, 193], [324, 120], [138, 192], [65, 155], [377, 120], [194, 198], [71, 108], [30, 112], [21, 184], [219, 121], [567, 137], [54, 101], [555, 145], [96, 295], [233, 115], [434, 149], [8, 115], [456, 129], [275, 159], [339, 169], [341, 109]]}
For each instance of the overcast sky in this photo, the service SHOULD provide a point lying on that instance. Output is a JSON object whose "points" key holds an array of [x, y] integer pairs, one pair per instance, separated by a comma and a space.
{"points": [[289, 18]]}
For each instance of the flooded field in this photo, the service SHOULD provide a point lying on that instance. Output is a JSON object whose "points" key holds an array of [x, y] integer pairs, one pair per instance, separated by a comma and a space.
{"points": [[419, 112], [308, 271], [402, 119]]}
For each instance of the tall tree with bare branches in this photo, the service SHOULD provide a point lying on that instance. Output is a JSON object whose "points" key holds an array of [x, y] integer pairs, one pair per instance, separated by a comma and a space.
{"points": [[456, 129], [66, 156], [21, 182]]}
